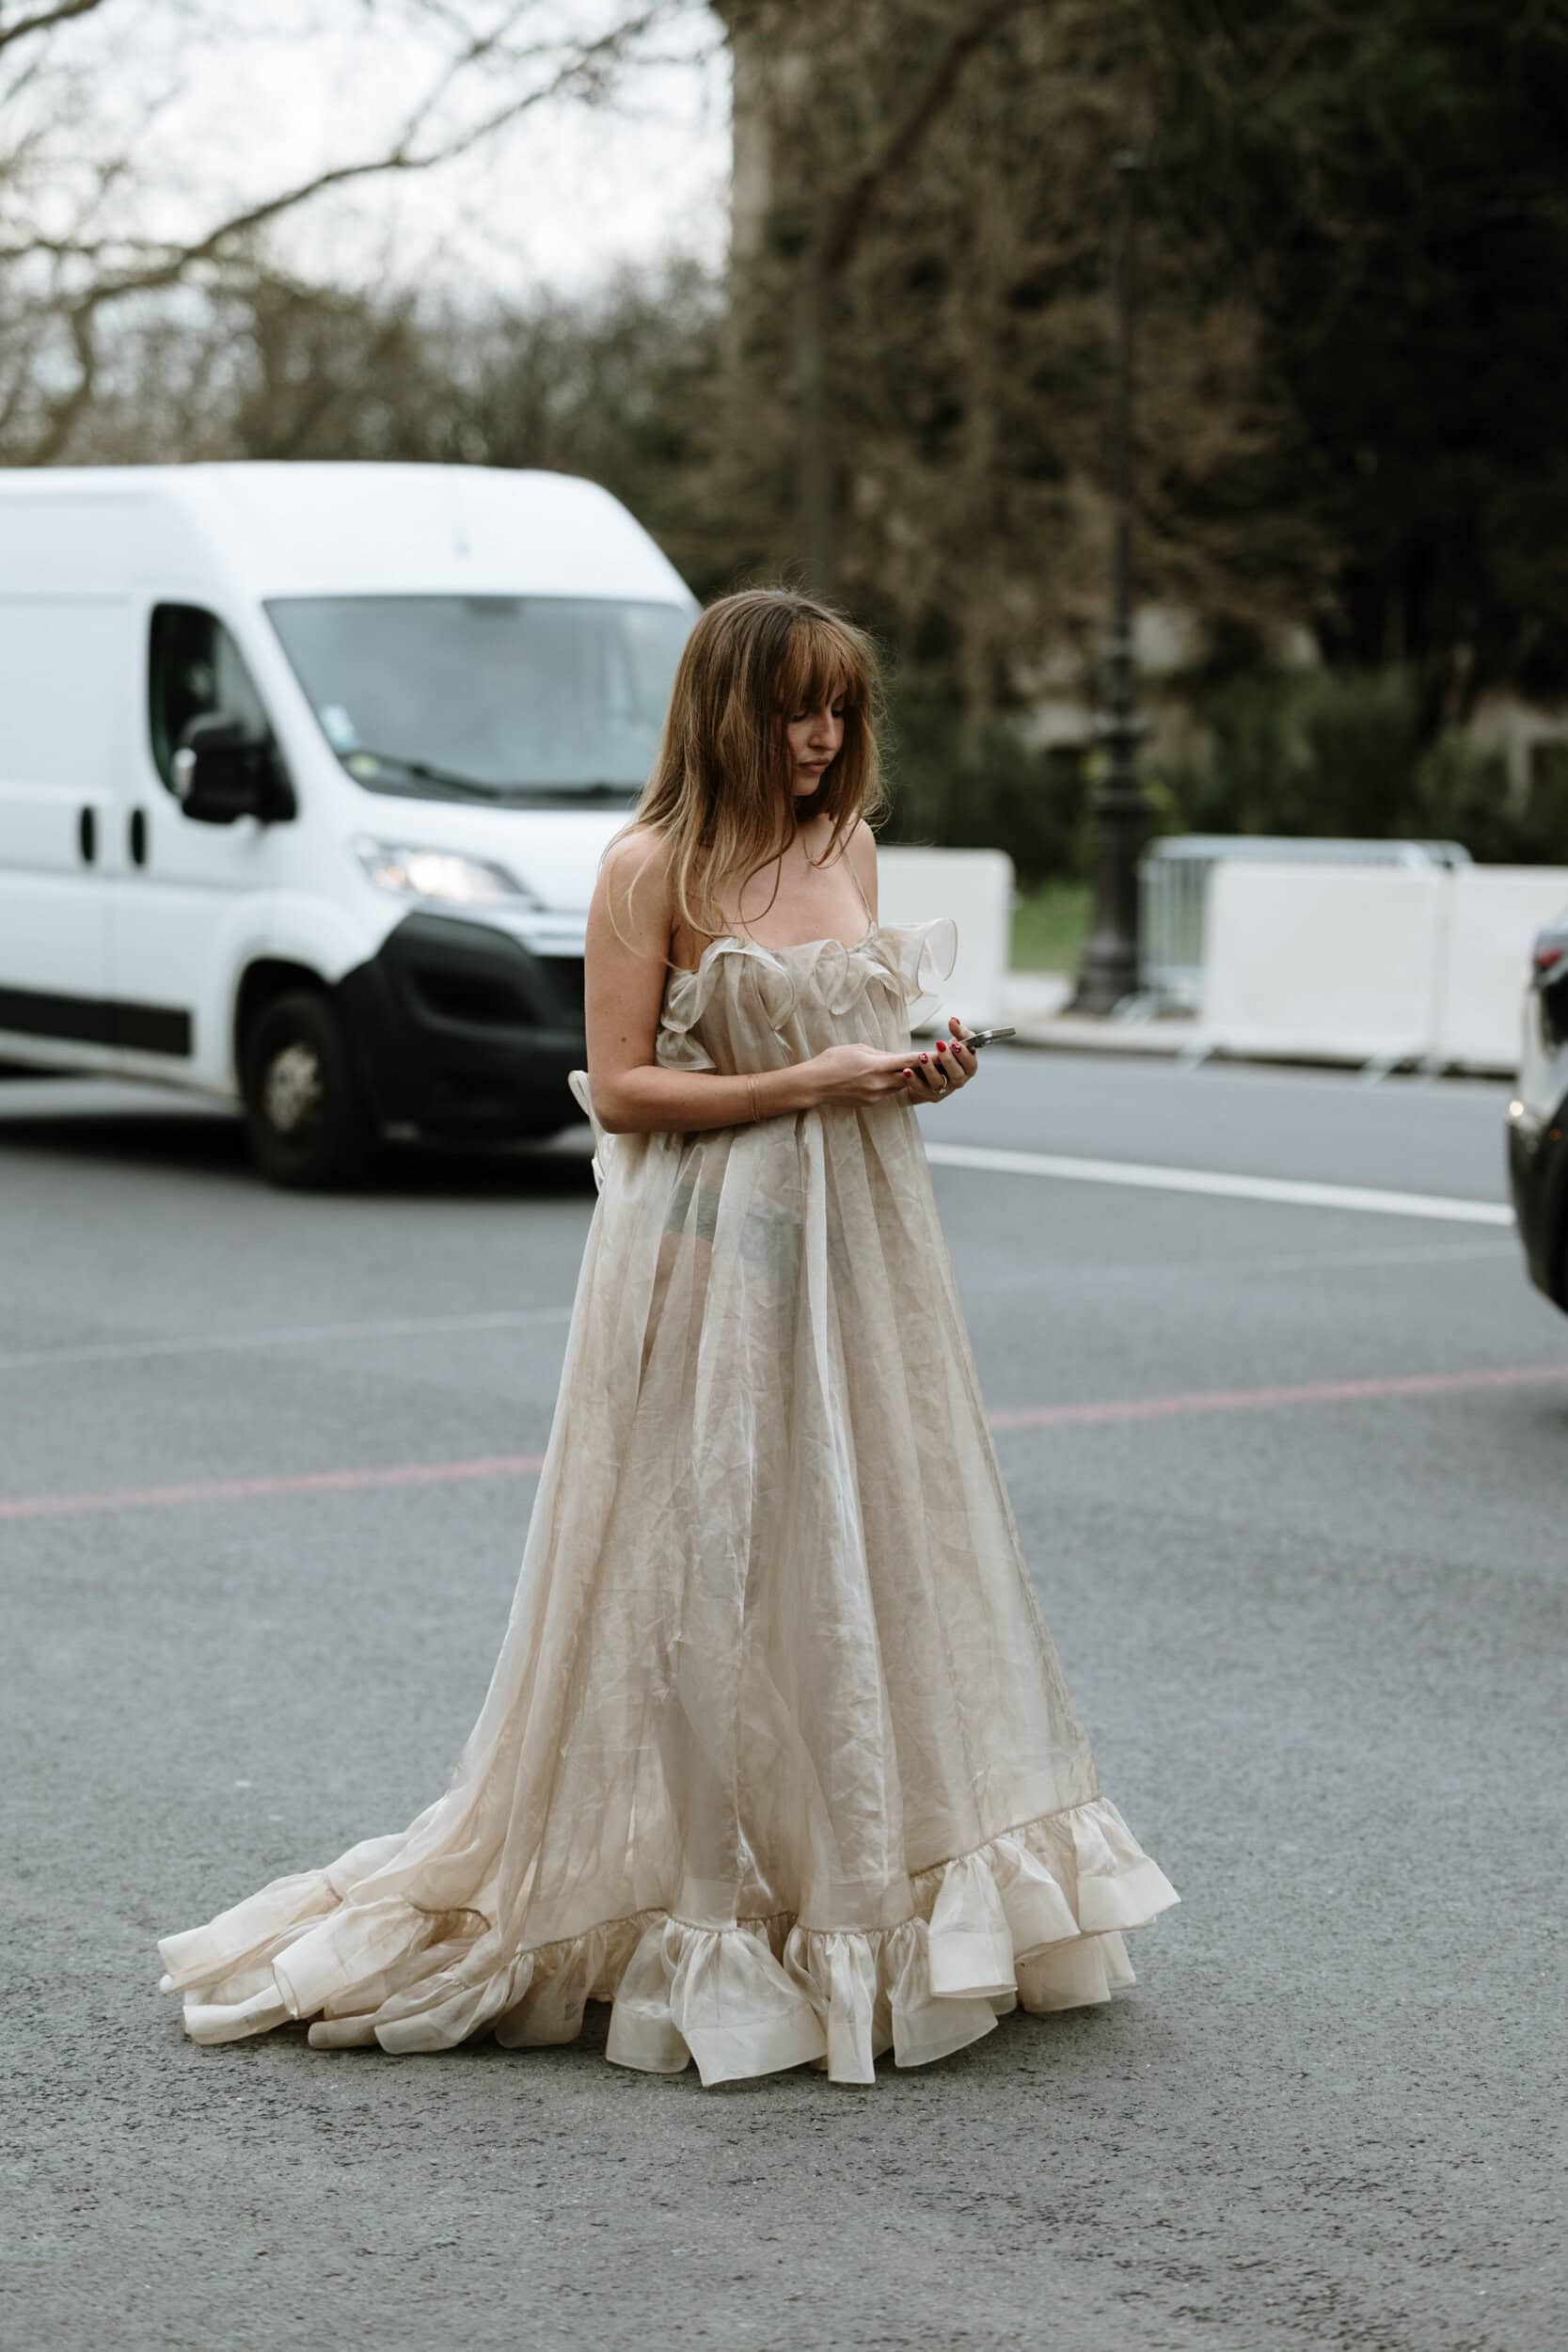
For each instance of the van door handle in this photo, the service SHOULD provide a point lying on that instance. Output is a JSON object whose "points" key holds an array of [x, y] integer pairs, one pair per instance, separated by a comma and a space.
{"points": [[87, 834], [138, 837]]}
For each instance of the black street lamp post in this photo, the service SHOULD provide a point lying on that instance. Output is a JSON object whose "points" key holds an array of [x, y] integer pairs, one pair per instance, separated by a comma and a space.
{"points": [[1109, 970]]}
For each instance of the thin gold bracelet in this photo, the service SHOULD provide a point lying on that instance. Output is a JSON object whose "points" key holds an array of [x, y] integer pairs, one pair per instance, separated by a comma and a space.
{"points": [[755, 1113]]}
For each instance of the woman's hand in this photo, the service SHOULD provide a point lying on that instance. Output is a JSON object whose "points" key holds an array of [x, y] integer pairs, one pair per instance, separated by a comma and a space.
{"points": [[855, 1074], [944, 1069], [849, 1075]]}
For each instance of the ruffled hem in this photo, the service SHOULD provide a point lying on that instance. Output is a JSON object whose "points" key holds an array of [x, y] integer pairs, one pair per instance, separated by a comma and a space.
{"points": [[1032, 1919]]}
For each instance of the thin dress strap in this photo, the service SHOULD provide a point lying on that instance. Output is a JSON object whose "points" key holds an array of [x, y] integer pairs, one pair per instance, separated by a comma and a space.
{"points": [[870, 919]]}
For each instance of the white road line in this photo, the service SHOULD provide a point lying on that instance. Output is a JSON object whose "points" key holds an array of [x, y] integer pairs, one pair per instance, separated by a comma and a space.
{"points": [[1234, 1266], [1284, 1190], [401, 1327], [1149, 1179]]}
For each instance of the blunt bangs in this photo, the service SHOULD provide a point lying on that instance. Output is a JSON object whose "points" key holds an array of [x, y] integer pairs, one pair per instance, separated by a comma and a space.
{"points": [[820, 662]]}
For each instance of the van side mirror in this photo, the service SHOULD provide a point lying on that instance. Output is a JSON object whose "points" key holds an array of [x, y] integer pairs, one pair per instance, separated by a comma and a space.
{"points": [[223, 772]]}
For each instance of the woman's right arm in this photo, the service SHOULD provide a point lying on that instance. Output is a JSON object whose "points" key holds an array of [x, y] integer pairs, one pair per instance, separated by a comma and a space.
{"points": [[627, 967]]}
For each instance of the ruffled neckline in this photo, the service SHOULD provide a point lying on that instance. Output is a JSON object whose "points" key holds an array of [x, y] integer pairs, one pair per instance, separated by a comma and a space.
{"points": [[910, 958], [759, 946]]}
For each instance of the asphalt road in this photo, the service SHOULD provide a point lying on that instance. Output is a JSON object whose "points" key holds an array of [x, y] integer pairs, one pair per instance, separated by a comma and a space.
{"points": [[1292, 1481]]}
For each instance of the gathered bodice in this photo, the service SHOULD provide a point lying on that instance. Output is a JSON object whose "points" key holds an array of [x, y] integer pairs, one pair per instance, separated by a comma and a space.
{"points": [[745, 1006]]}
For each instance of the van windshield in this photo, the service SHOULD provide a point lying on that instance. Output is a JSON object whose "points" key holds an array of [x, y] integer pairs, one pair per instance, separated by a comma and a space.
{"points": [[509, 698]]}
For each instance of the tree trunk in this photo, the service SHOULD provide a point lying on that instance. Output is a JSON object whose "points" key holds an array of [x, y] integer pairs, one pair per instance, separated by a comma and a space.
{"points": [[814, 457]]}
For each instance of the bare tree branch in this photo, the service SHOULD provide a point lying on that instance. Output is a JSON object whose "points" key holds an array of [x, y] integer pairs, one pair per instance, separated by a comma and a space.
{"points": [[45, 19], [903, 141], [81, 269], [580, 75]]}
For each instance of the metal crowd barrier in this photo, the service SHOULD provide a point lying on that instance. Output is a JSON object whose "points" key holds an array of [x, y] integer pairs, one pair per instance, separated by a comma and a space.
{"points": [[1173, 887]]}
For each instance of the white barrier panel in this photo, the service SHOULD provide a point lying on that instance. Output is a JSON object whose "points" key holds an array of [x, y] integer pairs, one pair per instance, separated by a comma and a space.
{"points": [[1329, 962], [1494, 914], [975, 888]]}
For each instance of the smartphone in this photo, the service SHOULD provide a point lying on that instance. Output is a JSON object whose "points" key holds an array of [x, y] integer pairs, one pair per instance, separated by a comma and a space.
{"points": [[983, 1037]]}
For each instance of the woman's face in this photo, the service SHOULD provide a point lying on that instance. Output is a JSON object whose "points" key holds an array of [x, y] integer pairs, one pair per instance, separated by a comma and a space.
{"points": [[814, 740]]}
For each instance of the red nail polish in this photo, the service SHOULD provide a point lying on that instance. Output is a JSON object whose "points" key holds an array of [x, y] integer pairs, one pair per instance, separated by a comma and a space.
{"points": [[942, 1045]]}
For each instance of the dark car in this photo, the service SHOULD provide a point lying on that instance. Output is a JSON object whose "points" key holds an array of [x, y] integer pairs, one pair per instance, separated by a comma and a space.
{"points": [[1538, 1118]]}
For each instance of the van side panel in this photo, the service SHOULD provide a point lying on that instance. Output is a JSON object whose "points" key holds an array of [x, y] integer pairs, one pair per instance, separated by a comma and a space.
{"points": [[85, 543], [252, 927], [64, 661]]}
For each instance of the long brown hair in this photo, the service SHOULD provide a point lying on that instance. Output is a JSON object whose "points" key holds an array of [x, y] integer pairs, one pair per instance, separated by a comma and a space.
{"points": [[720, 795]]}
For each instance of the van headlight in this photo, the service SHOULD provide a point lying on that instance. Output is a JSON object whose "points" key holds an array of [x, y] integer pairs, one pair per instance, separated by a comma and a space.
{"points": [[446, 875]]}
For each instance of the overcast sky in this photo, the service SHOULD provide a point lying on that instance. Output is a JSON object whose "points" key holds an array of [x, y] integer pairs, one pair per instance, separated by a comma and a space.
{"points": [[561, 196]]}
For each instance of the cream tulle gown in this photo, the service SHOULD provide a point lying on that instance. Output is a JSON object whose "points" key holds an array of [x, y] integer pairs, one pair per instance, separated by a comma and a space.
{"points": [[777, 1753]]}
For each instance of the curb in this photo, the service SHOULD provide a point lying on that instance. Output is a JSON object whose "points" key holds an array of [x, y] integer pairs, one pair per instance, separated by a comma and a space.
{"points": [[1070, 1033]]}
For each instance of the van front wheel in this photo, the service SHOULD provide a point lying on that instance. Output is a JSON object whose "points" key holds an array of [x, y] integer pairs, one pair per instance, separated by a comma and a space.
{"points": [[306, 1113]]}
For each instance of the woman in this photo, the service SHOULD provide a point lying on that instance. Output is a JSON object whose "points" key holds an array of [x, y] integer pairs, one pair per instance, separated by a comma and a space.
{"points": [[777, 1753]]}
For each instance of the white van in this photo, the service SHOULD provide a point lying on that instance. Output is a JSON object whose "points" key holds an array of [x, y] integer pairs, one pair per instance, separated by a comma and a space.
{"points": [[305, 775]]}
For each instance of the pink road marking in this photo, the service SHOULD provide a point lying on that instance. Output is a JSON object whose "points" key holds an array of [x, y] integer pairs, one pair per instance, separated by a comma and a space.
{"points": [[1020, 1417], [1270, 1400], [244, 1490]]}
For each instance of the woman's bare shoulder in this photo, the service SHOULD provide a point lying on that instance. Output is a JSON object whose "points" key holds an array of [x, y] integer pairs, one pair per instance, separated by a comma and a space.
{"points": [[860, 848], [633, 889], [857, 841], [640, 850]]}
